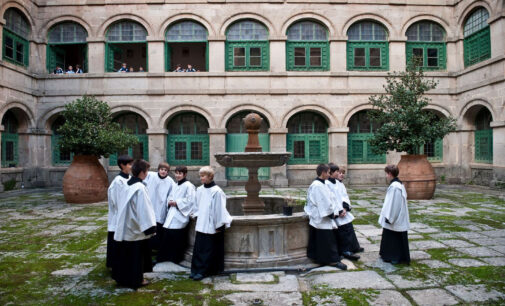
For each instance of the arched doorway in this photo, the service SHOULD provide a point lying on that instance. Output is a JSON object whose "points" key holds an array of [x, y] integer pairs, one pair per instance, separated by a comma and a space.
{"points": [[188, 140], [359, 151], [10, 140], [307, 138], [136, 126]]}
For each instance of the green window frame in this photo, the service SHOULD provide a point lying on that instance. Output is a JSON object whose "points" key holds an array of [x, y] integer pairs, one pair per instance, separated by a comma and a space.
{"points": [[188, 150], [432, 55], [184, 32], [65, 33], [484, 146], [59, 158], [477, 46], [143, 145], [359, 151], [247, 56], [16, 49], [300, 56], [124, 32], [10, 152], [236, 142], [433, 150], [367, 56], [307, 148]]}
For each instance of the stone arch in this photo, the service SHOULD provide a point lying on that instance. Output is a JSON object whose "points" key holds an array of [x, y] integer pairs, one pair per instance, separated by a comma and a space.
{"points": [[245, 107], [427, 17], [439, 110], [308, 16], [46, 120], [23, 114], [18, 5], [102, 30], [368, 16], [469, 9], [252, 16], [65, 18], [324, 112], [354, 111], [171, 113], [118, 110], [467, 114], [181, 17]]}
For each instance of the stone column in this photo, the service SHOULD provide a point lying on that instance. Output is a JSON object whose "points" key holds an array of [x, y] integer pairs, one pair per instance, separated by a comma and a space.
{"points": [[278, 54], [498, 156], [96, 55], [217, 143], [466, 136], [338, 54], [216, 53], [157, 146], [337, 145], [156, 55], [278, 175], [397, 56]]}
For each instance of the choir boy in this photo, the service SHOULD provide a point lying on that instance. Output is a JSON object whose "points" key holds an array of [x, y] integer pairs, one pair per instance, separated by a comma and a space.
{"points": [[320, 208], [116, 196], [394, 219], [175, 230], [212, 219], [136, 223]]}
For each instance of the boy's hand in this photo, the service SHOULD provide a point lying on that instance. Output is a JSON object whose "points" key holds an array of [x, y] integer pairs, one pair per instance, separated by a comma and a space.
{"points": [[342, 214]]}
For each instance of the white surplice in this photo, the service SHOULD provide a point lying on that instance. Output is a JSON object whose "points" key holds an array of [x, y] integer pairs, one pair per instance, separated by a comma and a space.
{"points": [[136, 216], [340, 194], [158, 190], [395, 209], [116, 196], [320, 204], [178, 216], [210, 210]]}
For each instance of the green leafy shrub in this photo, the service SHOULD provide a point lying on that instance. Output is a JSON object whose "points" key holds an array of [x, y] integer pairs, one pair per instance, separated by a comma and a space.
{"points": [[89, 129], [9, 185]]}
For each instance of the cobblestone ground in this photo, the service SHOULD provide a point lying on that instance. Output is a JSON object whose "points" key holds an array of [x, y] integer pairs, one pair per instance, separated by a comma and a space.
{"points": [[53, 253]]}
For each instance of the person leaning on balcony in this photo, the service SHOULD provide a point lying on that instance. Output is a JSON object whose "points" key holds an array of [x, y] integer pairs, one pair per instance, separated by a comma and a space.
{"points": [[123, 68], [70, 70], [178, 68], [78, 69]]}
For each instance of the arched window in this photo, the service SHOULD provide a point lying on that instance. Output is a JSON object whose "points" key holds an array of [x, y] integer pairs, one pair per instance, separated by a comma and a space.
{"points": [[433, 149], [59, 157], [367, 47], [188, 140], [359, 151], [247, 47], [483, 137], [126, 44], [236, 140], [16, 32], [67, 47], [186, 44], [426, 43], [10, 140], [137, 126], [307, 139], [307, 48], [477, 42]]}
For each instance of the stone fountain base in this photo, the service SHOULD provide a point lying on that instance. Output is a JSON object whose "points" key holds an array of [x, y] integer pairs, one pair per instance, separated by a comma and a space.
{"points": [[262, 241]]}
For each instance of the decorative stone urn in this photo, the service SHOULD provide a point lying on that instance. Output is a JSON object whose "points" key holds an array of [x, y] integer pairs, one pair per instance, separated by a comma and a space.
{"points": [[417, 176], [85, 181]]}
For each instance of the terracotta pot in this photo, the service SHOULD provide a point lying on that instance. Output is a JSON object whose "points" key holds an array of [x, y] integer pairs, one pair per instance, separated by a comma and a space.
{"points": [[85, 181], [417, 176]]}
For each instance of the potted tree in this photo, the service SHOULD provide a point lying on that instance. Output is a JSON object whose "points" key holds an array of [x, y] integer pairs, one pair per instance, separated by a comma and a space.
{"points": [[89, 133], [405, 125]]}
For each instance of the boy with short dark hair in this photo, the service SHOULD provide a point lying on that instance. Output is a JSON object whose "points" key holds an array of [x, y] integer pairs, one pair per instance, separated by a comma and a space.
{"points": [[136, 223], [212, 219], [116, 194], [175, 230]]}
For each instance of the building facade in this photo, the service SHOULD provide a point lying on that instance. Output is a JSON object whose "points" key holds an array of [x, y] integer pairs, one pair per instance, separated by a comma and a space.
{"points": [[307, 67]]}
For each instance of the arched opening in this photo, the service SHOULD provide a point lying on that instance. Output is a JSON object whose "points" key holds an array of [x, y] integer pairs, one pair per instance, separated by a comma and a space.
{"points": [[137, 126], [16, 32], [66, 46], [307, 138], [10, 140], [483, 137], [433, 149], [186, 44], [59, 157], [236, 140], [359, 151], [426, 44], [307, 47], [477, 41], [188, 140], [367, 46], [126, 47], [247, 47]]}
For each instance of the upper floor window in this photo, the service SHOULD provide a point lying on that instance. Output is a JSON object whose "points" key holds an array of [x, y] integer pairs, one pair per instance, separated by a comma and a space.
{"points": [[426, 44], [16, 32], [307, 47], [477, 42], [126, 47], [186, 47], [367, 47], [67, 50], [247, 46]]}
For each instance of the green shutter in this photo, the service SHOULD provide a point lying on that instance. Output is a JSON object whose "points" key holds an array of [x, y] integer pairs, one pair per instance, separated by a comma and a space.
{"points": [[265, 55], [16, 40], [477, 46], [202, 139], [140, 150], [110, 51], [55, 57], [10, 155], [58, 159], [384, 49], [442, 54], [484, 146], [236, 142], [85, 56], [359, 151], [290, 56], [168, 57], [315, 148]]}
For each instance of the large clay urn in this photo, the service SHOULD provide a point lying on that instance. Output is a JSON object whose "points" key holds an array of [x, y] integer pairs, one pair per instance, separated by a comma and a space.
{"points": [[417, 176], [85, 181]]}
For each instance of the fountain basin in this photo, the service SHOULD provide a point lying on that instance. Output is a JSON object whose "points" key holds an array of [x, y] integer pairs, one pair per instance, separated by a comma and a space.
{"points": [[262, 241], [252, 159]]}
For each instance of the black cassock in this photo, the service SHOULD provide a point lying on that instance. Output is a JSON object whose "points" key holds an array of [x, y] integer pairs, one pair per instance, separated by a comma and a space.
{"points": [[133, 260], [394, 246], [322, 247], [346, 239], [174, 245], [111, 250], [208, 254]]}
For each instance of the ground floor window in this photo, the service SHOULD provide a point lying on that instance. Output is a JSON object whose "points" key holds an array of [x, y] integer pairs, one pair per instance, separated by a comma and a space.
{"points": [[187, 140], [433, 150], [236, 142], [359, 150], [307, 148], [9, 150], [59, 157], [484, 146], [137, 126]]}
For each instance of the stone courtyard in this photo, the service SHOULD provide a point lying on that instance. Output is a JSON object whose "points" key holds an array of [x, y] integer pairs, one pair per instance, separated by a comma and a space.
{"points": [[54, 253]]}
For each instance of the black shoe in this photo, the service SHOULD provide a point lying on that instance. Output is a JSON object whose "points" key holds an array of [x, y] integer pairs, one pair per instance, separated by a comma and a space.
{"points": [[341, 266], [350, 255], [197, 277], [360, 250], [192, 275], [394, 262]]}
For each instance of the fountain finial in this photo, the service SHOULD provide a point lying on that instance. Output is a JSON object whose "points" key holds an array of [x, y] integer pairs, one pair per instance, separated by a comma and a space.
{"points": [[252, 123]]}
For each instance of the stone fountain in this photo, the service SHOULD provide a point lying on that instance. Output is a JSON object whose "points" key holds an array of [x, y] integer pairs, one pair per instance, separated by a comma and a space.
{"points": [[260, 236]]}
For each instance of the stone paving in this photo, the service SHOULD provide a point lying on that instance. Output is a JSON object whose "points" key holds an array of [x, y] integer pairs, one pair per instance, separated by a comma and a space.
{"points": [[53, 253]]}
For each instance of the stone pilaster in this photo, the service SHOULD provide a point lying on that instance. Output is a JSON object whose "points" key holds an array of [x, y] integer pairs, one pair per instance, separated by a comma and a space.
{"points": [[337, 145], [96, 56], [217, 143], [2, 23], [498, 156], [157, 146], [338, 54], [497, 27], [278, 144], [397, 56], [216, 54], [156, 55], [278, 54]]}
